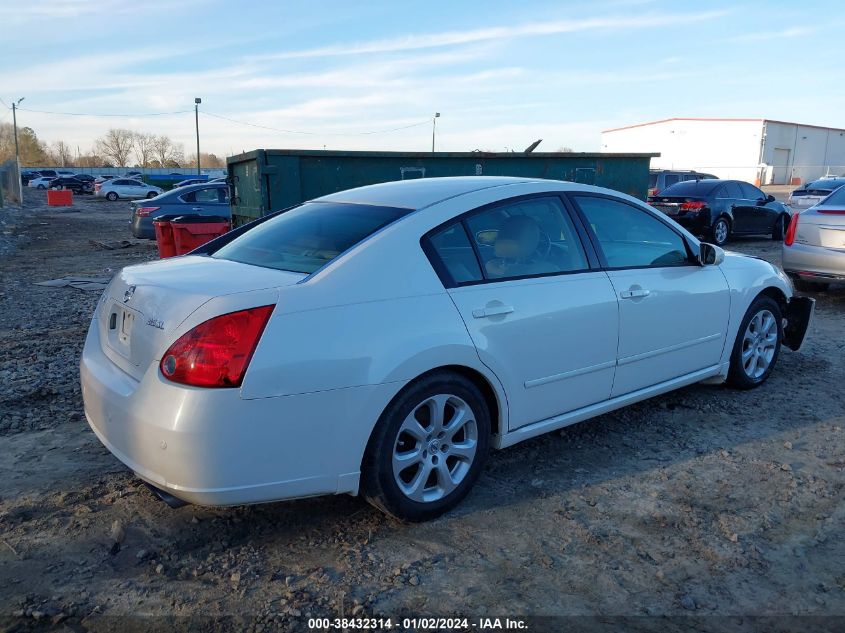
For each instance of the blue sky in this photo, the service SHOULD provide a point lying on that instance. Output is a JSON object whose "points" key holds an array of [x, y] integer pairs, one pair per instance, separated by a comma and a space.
{"points": [[501, 73]]}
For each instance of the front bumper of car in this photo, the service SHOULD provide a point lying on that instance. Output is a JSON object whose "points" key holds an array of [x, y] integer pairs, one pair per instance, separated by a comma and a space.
{"points": [[799, 315]]}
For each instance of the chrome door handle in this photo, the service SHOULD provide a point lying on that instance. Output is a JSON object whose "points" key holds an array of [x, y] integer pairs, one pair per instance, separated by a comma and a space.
{"points": [[198, 209], [631, 294], [480, 313]]}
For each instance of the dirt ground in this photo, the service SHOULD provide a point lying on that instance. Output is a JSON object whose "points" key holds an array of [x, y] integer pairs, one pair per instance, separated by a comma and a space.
{"points": [[703, 501]]}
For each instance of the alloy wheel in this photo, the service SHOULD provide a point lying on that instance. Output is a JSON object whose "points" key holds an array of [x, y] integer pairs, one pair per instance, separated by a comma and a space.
{"points": [[759, 344], [721, 232], [435, 448]]}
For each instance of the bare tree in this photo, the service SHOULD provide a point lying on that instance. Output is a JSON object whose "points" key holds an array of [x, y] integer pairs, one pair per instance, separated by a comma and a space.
{"points": [[565, 149], [166, 152], [144, 144], [63, 154], [116, 145]]}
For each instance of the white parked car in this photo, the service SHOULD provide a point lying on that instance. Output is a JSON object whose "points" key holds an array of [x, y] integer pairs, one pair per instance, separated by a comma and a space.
{"points": [[126, 188], [378, 341], [41, 183]]}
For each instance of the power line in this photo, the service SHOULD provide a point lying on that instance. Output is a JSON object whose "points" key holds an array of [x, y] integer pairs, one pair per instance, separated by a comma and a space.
{"points": [[99, 114], [286, 131]]}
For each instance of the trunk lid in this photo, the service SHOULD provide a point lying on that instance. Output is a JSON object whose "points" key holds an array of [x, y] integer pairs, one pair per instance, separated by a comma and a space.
{"points": [[144, 305]]}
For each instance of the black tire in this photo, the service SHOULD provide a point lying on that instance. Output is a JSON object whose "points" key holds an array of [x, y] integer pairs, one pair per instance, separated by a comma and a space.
{"points": [[111, 195], [737, 375], [378, 484], [780, 228], [41, 187], [715, 231], [151, 194]]}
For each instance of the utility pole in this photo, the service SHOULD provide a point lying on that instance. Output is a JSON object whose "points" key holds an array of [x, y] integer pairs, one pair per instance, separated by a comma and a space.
{"points": [[434, 129], [197, 102], [15, 105]]}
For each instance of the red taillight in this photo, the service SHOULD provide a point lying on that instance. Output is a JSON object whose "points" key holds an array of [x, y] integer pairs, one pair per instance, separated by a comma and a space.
{"points": [[653, 192], [145, 211], [217, 352], [693, 206], [831, 211], [789, 238]]}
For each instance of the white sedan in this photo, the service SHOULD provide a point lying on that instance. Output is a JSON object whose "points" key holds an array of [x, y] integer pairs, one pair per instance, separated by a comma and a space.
{"points": [[127, 188], [380, 340], [41, 183]]}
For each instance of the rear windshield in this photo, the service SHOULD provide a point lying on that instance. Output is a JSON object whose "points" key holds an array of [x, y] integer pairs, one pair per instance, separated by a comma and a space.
{"points": [[692, 188], [826, 184], [309, 236], [837, 197]]}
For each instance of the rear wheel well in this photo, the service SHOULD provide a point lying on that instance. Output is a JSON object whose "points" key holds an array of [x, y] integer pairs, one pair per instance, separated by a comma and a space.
{"points": [[479, 380]]}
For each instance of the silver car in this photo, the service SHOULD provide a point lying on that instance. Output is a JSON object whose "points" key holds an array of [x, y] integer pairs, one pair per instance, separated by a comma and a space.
{"points": [[813, 192], [814, 244]]}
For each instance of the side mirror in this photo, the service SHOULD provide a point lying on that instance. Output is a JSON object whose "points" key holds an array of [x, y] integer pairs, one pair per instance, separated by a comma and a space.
{"points": [[710, 254], [770, 198]]}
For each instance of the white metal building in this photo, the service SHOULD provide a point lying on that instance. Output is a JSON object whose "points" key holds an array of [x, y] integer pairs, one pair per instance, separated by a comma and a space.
{"points": [[759, 151]]}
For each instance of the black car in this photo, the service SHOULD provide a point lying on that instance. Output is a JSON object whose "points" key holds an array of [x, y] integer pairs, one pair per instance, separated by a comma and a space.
{"points": [[26, 176], [74, 184], [719, 209], [84, 177]]}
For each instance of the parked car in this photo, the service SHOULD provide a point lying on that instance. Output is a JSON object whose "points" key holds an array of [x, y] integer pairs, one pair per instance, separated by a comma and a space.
{"points": [[814, 246], [720, 209], [190, 181], [133, 175], [660, 179], [74, 184], [813, 192], [126, 188], [204, 199], [26, 176], [85, 178], [41, 182], [378, 341], [49, 173]]}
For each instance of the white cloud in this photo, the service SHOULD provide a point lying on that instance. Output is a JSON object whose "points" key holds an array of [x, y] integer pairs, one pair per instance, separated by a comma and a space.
{"points": [[451, 38], [795, 31]]}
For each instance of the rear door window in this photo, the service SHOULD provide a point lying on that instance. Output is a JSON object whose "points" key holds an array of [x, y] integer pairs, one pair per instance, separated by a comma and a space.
{"points": [[670, 179], [308, 237], [730, 190], [527, 238]]}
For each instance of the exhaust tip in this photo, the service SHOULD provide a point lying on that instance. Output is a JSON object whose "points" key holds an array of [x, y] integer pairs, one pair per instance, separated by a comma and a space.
{"points": [[168, 498]]}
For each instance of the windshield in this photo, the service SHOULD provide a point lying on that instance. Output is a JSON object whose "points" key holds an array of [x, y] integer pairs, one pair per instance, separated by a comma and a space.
{"points": [[309, 236]]}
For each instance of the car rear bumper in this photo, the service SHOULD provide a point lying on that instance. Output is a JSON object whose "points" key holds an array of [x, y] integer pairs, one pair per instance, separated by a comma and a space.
{"points": [[212, 447], [695, 223], [142, 228], [814, 263]]}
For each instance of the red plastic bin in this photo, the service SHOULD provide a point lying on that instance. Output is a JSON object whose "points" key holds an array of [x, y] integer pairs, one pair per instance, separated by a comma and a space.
{"points": [[164, 236], [192, 231], [59, 198]]}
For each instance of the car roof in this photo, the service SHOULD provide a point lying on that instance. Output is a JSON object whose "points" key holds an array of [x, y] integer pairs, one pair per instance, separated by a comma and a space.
{"points": [[196, 187], [420, 193]]}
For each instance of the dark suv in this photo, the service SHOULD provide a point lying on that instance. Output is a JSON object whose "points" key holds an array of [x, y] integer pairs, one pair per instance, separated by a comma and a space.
{"points": [[659, 179], [74, 184], [718, 209]]}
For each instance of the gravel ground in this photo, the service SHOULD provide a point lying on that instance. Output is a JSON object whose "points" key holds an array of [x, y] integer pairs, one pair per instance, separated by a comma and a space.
{"points": [[703, 501]]}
